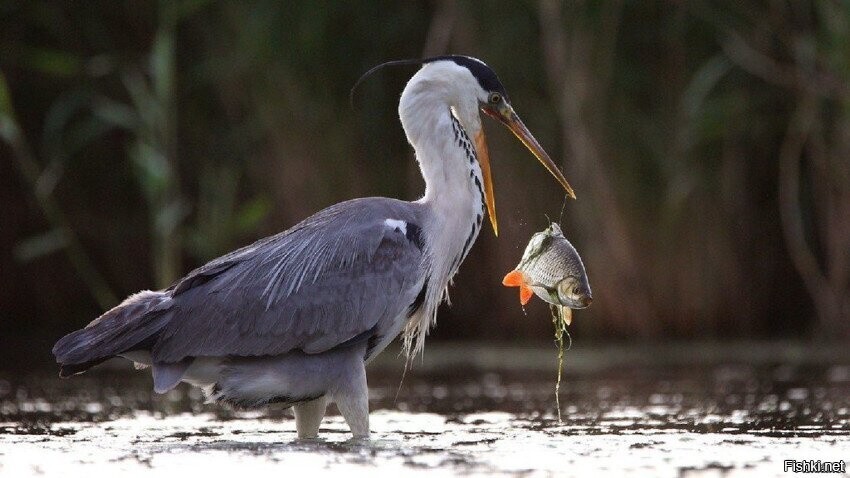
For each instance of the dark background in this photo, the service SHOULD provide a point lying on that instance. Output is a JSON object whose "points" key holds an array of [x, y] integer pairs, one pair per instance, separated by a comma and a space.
{"points": [[708, 143]]}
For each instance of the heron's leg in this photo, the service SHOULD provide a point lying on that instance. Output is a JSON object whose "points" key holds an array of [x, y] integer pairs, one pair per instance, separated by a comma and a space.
{"points": [[352, 399], [308, 416]]}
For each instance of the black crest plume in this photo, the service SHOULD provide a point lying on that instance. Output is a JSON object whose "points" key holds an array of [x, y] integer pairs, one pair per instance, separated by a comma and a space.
{"points": [[486, 77], [375, 68]]}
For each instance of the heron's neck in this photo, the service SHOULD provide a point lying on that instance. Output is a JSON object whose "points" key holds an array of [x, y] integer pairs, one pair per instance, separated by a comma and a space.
{"points": [[450, 168], [453, 204], [454, 195]]}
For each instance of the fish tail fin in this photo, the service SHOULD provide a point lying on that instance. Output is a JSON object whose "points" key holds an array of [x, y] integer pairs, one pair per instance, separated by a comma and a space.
{"points": [[525, 294], [516, 278]]}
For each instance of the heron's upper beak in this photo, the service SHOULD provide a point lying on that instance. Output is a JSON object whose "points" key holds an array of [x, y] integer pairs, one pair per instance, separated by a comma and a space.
{"points": [[506, 115]]}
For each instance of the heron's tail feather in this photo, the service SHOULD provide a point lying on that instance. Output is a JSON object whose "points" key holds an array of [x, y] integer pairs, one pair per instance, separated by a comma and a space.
{"points": [[128, 326]]}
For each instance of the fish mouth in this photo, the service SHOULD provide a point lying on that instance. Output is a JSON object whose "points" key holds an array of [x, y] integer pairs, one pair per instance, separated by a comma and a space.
{"points": [[574, 293], [550, 295], [582, 302]]}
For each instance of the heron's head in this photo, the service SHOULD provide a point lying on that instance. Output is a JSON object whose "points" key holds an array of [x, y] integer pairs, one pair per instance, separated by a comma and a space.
{"points": [[470, 87]]}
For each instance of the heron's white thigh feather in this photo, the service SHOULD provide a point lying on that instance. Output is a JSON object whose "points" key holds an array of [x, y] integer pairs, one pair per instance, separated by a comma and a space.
{"points": [[351, 395], [258, 379], [308, 417]]}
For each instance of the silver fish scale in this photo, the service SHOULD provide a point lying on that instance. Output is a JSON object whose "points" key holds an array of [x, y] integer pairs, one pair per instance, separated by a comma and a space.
{"points": [[553, 270], [557, 260]]}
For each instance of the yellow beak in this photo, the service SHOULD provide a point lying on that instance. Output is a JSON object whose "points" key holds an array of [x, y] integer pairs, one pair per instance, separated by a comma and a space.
{"points": [[506, 115], [484, 162]]}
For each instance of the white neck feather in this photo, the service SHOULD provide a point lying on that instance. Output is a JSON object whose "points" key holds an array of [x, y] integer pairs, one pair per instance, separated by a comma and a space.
{"points": [[453, 199]]}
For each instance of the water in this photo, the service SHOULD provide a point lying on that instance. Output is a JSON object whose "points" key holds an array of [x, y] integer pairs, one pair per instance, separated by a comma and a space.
{"points": [[668, 411]]}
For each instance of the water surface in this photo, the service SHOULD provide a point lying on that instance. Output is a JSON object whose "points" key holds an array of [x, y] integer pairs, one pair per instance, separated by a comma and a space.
{"points": [[688, 410]]}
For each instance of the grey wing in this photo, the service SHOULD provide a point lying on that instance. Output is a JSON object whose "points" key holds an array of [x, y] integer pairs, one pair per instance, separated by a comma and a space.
{"points": [[331, 279]]}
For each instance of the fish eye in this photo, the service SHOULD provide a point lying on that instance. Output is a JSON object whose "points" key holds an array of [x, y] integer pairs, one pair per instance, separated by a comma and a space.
{"points": [[495, 98]]}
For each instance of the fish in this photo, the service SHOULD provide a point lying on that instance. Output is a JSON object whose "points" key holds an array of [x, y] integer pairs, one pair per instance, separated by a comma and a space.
{"points": [[552, 269]]}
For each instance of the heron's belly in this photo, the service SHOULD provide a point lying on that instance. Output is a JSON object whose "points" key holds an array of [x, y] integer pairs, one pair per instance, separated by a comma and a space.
{"points": [[289, 378], [246, 382]]}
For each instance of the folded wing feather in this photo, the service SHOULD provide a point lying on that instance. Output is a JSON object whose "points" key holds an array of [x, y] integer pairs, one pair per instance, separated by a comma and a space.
{"points": [[332, 277]]}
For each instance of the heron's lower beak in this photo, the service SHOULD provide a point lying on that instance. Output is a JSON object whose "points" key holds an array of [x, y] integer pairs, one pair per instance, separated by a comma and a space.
{"points": [[484, 162], [506, 115]]}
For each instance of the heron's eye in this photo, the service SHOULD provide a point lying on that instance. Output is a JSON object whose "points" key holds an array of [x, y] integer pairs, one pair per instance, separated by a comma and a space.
{"points": [[495, 98]]}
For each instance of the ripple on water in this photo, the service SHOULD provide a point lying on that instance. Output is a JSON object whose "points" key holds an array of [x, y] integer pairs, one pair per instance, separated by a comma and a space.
{"points": [[672, 418]]}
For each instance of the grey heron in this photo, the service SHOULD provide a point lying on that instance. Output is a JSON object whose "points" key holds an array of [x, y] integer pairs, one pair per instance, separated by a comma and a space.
{"points": [[296, 317]]}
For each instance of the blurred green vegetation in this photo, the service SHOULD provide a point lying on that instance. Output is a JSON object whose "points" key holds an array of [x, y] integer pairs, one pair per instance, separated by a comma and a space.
{"points": [[708, 142]]}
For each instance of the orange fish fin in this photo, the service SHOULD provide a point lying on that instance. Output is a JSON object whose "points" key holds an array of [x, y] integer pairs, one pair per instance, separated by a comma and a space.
{"points": [[525, 294], [514, 278]]}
